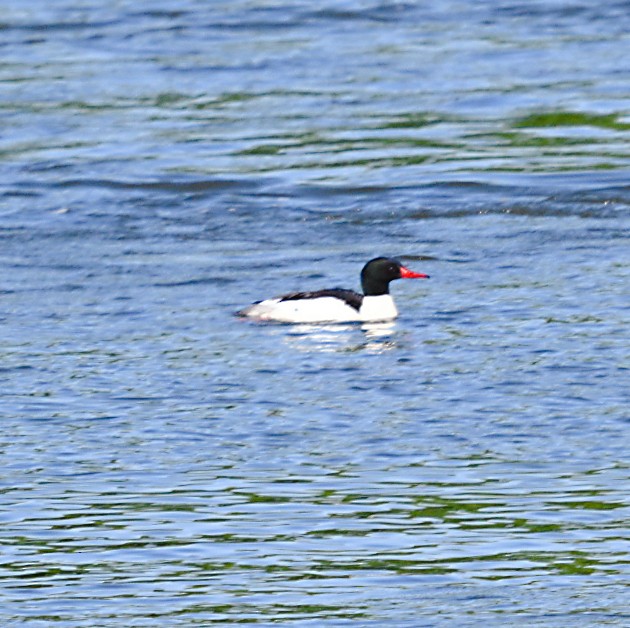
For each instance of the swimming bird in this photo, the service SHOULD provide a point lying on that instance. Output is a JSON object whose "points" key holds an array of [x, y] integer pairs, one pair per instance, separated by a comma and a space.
{"points": [[338, 305]]}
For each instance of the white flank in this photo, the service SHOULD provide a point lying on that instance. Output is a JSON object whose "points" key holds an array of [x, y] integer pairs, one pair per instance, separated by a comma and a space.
{"points": [[323, 310]]}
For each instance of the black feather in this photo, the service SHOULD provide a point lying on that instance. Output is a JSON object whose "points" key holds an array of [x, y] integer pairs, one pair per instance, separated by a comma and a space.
{"points": [[352, 298]]}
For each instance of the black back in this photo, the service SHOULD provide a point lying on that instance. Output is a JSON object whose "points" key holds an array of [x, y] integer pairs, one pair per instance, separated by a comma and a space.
{"points": [[352, 298]]}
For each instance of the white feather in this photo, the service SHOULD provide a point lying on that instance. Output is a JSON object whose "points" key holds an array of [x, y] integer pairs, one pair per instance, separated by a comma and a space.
{"points": [[322, 310]]}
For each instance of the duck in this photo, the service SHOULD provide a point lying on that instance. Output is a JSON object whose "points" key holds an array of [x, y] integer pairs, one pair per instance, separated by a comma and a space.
{"points": [[339, 305]]}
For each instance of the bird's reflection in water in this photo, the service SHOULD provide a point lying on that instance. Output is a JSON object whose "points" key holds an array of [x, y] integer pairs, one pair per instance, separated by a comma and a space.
{"points": [[371, 337]]}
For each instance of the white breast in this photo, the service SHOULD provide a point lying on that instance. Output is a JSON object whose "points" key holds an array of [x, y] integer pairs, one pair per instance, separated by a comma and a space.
{"points": [[381, 308]]}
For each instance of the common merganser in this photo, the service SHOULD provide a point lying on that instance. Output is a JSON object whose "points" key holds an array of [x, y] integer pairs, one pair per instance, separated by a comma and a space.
{"points": [[338, 305]]}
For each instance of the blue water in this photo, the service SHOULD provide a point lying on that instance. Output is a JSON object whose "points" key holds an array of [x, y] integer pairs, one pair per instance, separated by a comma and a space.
{"points": [[163, 463]]}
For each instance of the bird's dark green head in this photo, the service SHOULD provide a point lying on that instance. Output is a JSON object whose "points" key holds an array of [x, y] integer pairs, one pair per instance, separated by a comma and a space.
{"points": [[377, 274]]}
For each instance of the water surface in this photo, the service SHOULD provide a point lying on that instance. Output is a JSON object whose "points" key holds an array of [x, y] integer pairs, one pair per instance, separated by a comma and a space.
{"points": [[164, 463]]}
